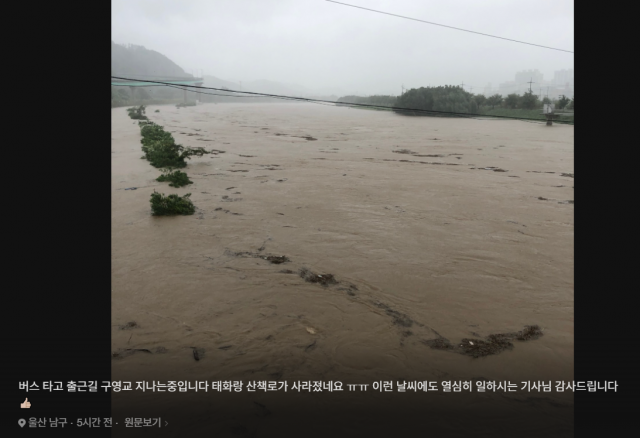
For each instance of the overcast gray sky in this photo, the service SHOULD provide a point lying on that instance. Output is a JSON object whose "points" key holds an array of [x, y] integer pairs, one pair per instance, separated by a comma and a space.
{"points": [[327, 47]]}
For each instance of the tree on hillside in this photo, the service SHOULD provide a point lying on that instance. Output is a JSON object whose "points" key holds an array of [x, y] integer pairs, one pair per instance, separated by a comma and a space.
{"points": [[136, 60], [122, 94], [528, 100], [563, 101], [511, 101], [494, 100]]}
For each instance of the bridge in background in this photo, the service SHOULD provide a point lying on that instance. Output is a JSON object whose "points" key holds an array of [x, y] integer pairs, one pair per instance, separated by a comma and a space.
{"points": [[139, 81]]}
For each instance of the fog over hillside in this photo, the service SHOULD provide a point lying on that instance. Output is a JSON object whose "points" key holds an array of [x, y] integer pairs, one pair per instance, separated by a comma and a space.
{"points": [[328, 48], [137, 61], [133, 61]]}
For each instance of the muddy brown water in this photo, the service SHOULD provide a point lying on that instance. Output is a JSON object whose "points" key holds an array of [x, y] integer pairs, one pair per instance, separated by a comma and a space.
{"points": [[415, 252]]}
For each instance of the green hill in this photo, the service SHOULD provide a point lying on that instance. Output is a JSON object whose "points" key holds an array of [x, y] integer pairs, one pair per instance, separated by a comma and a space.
{"points": [[138, 62]]}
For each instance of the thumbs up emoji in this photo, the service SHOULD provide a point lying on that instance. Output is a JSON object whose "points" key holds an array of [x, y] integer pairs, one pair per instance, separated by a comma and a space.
{"points": [[26, 404]]}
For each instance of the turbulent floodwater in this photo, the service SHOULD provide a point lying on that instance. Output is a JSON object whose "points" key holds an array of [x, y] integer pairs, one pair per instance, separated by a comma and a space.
{"points": [[432, 228]]}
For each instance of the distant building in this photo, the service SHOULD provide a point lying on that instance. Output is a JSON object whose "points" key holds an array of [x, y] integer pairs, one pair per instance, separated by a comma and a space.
{"points": [[523, 77], [561, 84], [562, 77], [566, 90], [508, 87]]}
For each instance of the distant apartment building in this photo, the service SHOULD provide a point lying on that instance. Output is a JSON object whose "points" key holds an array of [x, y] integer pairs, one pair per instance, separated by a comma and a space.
{"points": [[523, 77], [562, 84], [522, 83], [562, 77], [508, 87]]}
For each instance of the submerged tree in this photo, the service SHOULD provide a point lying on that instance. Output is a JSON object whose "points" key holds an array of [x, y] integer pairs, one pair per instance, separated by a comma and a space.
{"points": [[161, 150], [175, 178], [170, 205], [137, 113]]}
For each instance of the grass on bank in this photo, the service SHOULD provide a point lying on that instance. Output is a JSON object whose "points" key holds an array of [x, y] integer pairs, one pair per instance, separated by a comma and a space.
{"points": [[161, 150], [523, 113], [534, 114]]}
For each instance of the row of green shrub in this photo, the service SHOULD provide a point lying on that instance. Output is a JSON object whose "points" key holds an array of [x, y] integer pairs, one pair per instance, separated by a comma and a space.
{"points": [[170, 205], [175, 178], [161, 150]]}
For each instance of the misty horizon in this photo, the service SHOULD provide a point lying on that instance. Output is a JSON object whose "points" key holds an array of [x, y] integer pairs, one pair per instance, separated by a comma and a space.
{"points": [[323, 48]]}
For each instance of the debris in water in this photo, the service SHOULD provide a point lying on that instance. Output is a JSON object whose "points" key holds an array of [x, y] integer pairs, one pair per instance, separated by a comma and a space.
{"points": [[493, 344], [129, 325], [198, 353], [323, 279], [276, 260]]}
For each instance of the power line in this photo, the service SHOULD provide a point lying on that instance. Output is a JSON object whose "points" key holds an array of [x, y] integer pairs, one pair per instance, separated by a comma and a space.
{"points": [[450, 27], [180, 87], [485, 117], [161, 76], [231, 95], [323, 102], [211, 94], [331, 103]]}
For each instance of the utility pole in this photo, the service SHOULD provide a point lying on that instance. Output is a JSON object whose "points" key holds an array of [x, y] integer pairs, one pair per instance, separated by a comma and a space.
{"points": [[463, 85], [530, 82], [402, 89]]}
